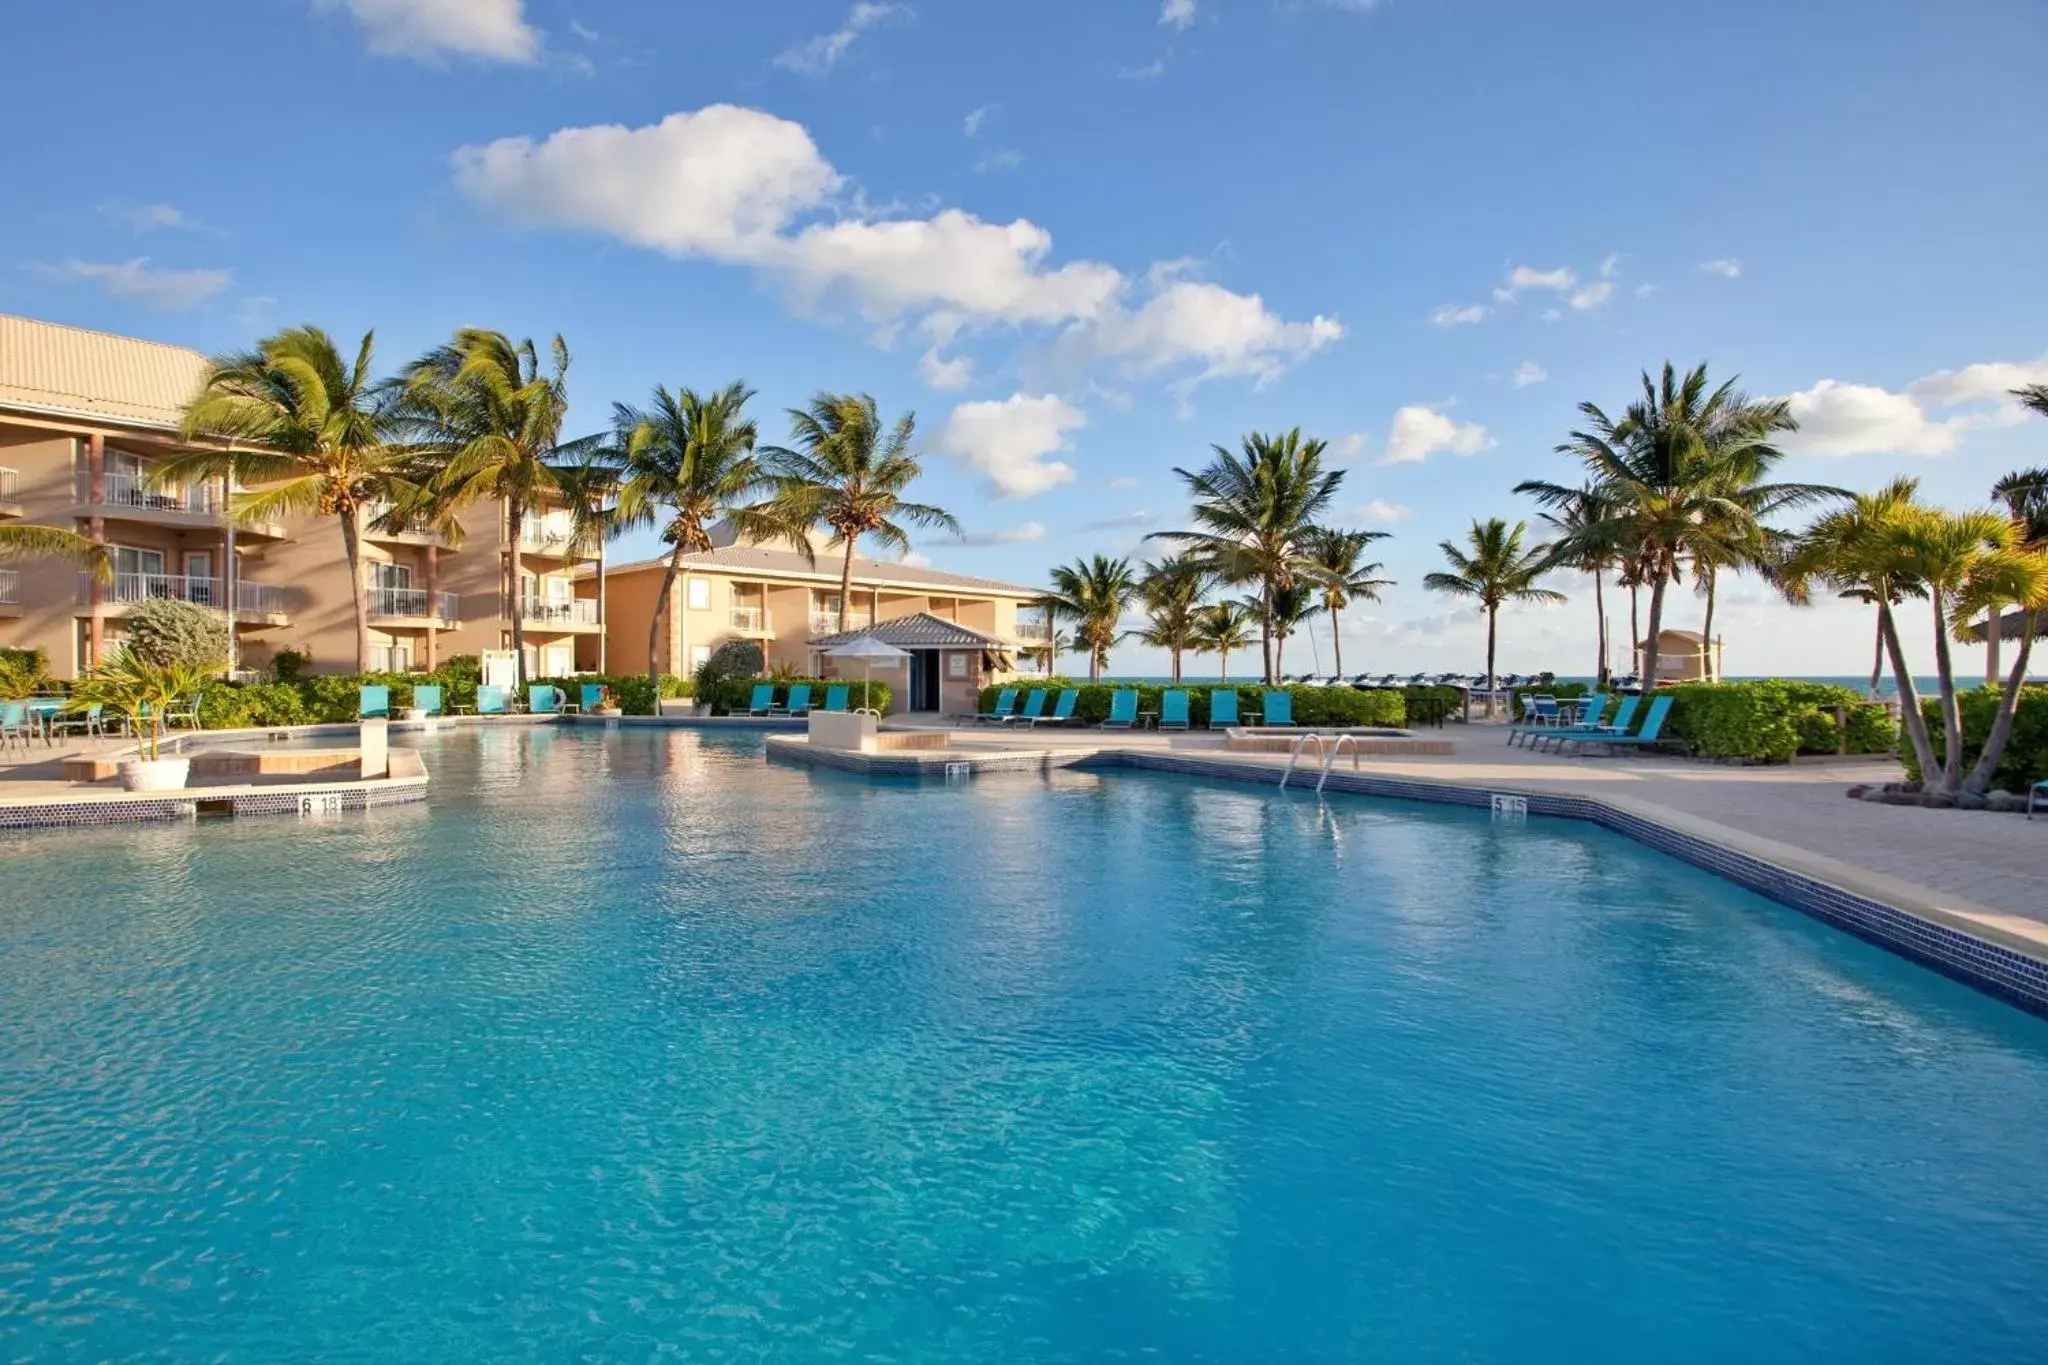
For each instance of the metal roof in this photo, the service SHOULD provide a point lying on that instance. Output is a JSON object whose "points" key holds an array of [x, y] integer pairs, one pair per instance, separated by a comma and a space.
{"points": [[921, 631], [47, 367], [759, 559]]}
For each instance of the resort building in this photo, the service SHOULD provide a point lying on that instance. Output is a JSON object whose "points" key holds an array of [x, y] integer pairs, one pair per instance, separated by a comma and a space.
{"points": [[85, 415], [959, 632]]}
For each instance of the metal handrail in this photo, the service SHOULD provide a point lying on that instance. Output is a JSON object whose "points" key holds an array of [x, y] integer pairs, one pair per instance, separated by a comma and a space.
{"points": [[1328, 748], [1331, 762], [1294, 752]]}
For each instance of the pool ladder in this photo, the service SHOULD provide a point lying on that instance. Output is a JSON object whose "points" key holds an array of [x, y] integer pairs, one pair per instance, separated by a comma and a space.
{"points": [[1327, 748]]}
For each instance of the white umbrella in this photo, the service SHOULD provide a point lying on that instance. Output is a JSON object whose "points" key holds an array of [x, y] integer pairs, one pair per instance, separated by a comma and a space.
{"points": [[867, 649]]}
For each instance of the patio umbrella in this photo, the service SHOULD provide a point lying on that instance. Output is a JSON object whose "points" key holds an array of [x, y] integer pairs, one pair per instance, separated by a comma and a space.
{"points": [[867, 649]]}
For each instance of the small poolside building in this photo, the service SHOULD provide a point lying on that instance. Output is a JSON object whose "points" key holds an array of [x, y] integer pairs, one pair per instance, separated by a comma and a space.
{"points": [[945, 668], [1682, 656]]}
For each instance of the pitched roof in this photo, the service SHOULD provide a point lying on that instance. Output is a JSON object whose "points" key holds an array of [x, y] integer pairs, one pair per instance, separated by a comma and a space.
{"points": [[745, 559], [921, 631], [71, 372]]}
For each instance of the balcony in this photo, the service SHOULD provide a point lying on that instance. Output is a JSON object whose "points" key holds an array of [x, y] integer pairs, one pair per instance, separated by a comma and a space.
{"points": [[560, 613], [129, 495], [1033, 625], [827, 622], [549, 536], [752, 621], [10, 492], [415, 608], [10, 592], [252, 600], [409, 535]]}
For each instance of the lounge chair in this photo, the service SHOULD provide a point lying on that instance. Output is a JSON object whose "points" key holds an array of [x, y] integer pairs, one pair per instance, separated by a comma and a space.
{"points": [[1006, 702], [1173, 709], [1537, 721], [1123, 709], [1562, 735], [14, 724], [799, 702], [1062, 711], [835, 697], [1651, 733], [1223, 708], [427, 697], [374, 703], [592, 696], [543, 699], [1033, 708], [1277, 707], [91, 721], [763, 701], [490, 701]]}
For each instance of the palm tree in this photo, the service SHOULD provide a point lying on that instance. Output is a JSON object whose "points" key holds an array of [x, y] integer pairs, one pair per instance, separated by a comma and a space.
{"points": [[52, 542], [1171, 591], [2024, 495], [1294, 605], [1497, 570], [1575, 516], [486, 420], [1336, 565], [303, 423], [1222, 628], [1093, 593], [850, 475], [1255, 511], [590, 482]]}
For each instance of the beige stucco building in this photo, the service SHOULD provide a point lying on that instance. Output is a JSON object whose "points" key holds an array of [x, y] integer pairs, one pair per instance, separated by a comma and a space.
{"points": [[84, 415]]}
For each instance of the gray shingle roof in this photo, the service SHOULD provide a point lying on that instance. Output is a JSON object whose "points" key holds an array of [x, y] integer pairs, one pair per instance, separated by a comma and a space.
{"points": [[922, 631], [761, 559]]}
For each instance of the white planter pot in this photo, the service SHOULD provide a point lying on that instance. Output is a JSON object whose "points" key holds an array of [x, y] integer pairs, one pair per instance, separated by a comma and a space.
{"points": [[415, 714], [155, 775]]}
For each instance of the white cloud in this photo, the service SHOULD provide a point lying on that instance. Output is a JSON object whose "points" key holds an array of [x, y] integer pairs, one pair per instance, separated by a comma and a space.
{"points": [[1009, 439], [1610, 265], [1008, 159], [943, 372], [972, 123], [1528, 277], [818, 55], [912, 559], [1987, 380], [1418, 432], [1726, 268], [1381, 511], [1527, 373], [1150, 71], [426, 30], [1644, 291], [171, 290], [1006, 535], [1592, 296], [1837, 418], [1123, 481], [1349, 446], [737, 185], [151, 217], [1455, 315], [1178, 13]]}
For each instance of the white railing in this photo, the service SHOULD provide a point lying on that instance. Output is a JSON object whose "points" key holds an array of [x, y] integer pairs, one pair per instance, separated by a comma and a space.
{"points": [[398, 601], [1033, 625], [10, 585], [560, 611], [448, 607], [133, 490], [547, 535], [10, 484], [129, 588], [266, 599], [827, 622], [750, 618]]}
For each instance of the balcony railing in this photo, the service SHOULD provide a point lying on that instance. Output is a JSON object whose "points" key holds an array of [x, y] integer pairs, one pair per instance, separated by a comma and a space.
{"points": [[129, 588], [10, 484], [133, 490], [549, 536], [10, 586], [415, 602], [560, 611], [1033, 625], [754, 619], [827, 622]]}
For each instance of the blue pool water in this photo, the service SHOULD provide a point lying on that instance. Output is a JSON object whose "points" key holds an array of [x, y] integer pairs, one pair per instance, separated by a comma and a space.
{"points": [[633, 1046]]}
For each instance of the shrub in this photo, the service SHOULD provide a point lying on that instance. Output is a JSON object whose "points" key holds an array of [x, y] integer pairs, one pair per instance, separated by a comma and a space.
{"points": [[1334, 706], [2025, 760], [23, 671], [631, 691], [288, 665], [1772, 719], [168, 633]]}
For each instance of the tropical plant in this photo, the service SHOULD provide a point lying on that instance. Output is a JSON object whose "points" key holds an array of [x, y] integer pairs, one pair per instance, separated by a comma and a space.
{"points": [[1574, 517], [1494, 569], [1171, 591], [52, 542], [141, 691], [1093, 593], [1338, 568], [305, 428], [1222, 628], [847, 473], [1292, 607], [23, 671], [1255, 512], [166, 630], [733, 659]]}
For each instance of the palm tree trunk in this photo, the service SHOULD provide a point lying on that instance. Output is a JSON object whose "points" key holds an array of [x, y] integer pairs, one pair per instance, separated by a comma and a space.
{"points": [[846, 585], [1909, 700], [1648, 646], [1223, 665], [1336, 645], [1951, 714], [1600, 608], [668, 582], [1707, 633], [1635, 632], [1176, 666], [515, 521], [1993, 632], [1877, 659], [1266, 629], [1492, 623], [604, 628], [359, 595], [1980, 776]]}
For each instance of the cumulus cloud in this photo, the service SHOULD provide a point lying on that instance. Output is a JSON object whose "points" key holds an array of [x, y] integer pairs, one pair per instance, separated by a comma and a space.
{"points": [[912, 559], [1008, 159], [1610, 265], [942, 372], [1177, 13], [744, 187], [152, 217], [1726, 268], [1006, 535], [1008, 441], [1418, 432], [1381, 511], [1837, 418], [1349, 446], [1527, 373], [427, 30], [1524, 277], [971, 125], [1592, 296], [170, 290], [818, 55], [1456, 315]]}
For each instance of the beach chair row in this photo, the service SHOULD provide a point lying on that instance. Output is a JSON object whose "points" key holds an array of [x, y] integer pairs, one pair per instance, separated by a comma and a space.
{"points": [[1123, 709], [1595, 729], [542, 699]]}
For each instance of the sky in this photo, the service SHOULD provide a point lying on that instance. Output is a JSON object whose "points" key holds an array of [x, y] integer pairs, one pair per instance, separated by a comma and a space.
{"points": [[1085, 240]]}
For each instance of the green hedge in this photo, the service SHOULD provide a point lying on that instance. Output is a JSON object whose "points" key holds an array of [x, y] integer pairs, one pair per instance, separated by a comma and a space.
{"points": [[734, 694], [1773, 719], [2025, 760], [333, 698], [1312, 705]]}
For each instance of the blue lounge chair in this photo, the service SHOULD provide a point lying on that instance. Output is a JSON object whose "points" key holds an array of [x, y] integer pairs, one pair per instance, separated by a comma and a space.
{"points": [[592, 696], [1173, 709], [14, 724], [1562, 735], [544, 699], [1278, 704], [92, 721], [1223, 708], [799, 703], [1534, 724], [1033, 708], [1062, 711], [1651, 733], [1006, 702], [835, 697], [374, 703], [1123, 709], [427, 697], [763, 701], [490, 701]]}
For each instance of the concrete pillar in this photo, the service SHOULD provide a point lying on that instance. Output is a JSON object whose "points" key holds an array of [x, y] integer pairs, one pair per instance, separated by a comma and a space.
{"points": [[376, 748], [433, 607], [96, 527]]}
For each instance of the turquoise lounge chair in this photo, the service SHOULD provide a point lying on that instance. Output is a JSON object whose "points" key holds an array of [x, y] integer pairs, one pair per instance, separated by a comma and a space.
{"points": [[1277, 707], [763, 700], [799, 703], [427, 697], [1033, 708], [490, 701], [1535, 725], [544, 699], [1173, 709], [835, 697], [1062, 711], [1568, 734], [1123, 709], [14, 724], [592, 696], [374, 703], [1651, 733], [1006, 703], [1223, 708]]}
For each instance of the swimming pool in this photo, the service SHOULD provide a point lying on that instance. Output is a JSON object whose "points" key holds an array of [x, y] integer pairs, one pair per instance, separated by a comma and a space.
{"points": [[629, 1041]]}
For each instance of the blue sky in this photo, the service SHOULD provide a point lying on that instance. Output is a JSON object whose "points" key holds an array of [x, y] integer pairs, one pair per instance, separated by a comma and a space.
{"points": [[1083, 239]]}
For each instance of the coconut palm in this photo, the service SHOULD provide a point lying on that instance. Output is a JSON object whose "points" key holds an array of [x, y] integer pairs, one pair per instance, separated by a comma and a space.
{"points": [[1222, 628], [1093, 593], [1575, 516], [1171, 591], [1255, 511], [53, 542], [305, 426], [1494, 569], [1338, 568], [1292, 607], [849, 473]]}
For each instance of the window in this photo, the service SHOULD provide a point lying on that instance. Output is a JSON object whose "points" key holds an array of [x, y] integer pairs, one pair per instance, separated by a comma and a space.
{"points": [[128, 560], [390, 575], [700, 594], [392, 658]]}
